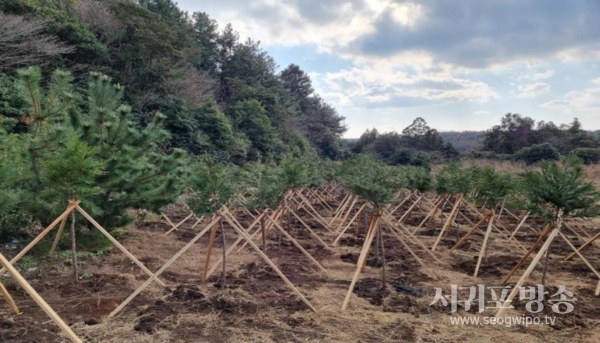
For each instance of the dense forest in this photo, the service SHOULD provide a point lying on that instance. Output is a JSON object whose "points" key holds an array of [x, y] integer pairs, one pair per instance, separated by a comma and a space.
{"points": [[218, 95], [115, 102]]}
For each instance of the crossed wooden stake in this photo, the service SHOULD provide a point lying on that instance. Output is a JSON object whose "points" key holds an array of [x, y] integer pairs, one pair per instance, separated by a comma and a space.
{"points": [[8, 265], [244, 234]]}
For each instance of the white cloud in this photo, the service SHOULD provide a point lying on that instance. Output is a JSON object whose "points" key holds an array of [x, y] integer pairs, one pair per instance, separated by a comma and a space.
{"points": [[586, 101], [537, 76], [481, 113], [384, 84], [531, 90]]}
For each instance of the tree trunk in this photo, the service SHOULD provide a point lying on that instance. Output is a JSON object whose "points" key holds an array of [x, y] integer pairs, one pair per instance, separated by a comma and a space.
{"points": [[223, 277], [74, 248], [262, 230], [546, 260], [383, 276]]}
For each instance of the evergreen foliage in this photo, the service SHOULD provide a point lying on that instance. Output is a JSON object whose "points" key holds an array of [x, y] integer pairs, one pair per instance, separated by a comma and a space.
{"points": [[560, 186]]}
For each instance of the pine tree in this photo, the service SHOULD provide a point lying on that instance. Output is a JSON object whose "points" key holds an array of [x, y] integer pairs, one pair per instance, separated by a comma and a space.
{"points": [[138, 174]]}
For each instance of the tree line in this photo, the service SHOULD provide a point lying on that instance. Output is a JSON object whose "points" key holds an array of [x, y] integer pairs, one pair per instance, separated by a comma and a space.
{"points": [[219, 95], [517, 137]]}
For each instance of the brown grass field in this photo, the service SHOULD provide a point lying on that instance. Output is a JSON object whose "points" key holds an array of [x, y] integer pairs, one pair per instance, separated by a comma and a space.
{"points": [[256, 305]]}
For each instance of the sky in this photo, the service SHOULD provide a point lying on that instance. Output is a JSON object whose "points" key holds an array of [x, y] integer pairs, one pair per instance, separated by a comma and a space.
{"points": [[461, 64]]}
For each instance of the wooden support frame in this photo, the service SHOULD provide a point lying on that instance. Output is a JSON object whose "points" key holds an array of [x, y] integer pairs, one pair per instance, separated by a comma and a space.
{"points": [[362, 258], [448, 221], [244, 235], [339, 236], [529, 269], [164, 267], [38, 299], [295, 242]]}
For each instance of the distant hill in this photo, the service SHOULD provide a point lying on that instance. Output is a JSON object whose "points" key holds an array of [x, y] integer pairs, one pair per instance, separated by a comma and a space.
{"points": [[463, 141]]}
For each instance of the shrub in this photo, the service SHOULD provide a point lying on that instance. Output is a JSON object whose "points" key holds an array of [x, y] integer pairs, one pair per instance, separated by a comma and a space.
{"points": [[587, 155], [538, 152]]}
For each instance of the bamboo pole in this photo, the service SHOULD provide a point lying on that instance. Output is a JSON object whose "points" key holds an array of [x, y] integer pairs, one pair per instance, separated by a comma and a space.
{"points": [[163, 268], [362, 257], [529, 270], [482, 252], [38, 299], [269, 262], [42, 234]]}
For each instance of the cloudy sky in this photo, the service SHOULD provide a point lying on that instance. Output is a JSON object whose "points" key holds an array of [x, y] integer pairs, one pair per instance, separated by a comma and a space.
{"points": [[459, 64]]}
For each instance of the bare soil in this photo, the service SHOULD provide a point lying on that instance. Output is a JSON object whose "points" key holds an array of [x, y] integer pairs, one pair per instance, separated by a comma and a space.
{"points": [[255, 305]]}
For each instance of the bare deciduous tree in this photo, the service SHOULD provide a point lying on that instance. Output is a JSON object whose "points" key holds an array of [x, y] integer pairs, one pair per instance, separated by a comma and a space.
{"points": [[23, 42], [191, 85], [99, 18]]}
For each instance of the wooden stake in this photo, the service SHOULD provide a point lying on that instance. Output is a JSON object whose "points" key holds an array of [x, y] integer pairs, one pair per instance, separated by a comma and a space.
{"points": [[295, 242], [580, 255], [174, 227], [519, 226], [471, 231], [529, 270], [484, 245], [404, 231], [531, 250], [347, 226], [42, 234], [237, 241], [74, 249], [4, 293], [118, 245], [164, 267], [590, 241], [38, 299], [410, 209], [448, 221], [362, 258], [431, 214], [223, 241], [58, 236], [211, 243], [346, 215], [312, 233], [269, 262]]}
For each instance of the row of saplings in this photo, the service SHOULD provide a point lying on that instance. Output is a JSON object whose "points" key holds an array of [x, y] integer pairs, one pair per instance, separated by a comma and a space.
{"points": [[552, 191]]}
